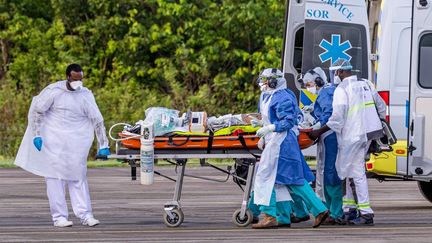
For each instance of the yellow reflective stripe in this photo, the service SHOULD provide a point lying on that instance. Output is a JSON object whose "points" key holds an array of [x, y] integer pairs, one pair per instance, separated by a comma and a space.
{"points": [[360, 106], [348, 202], [363, 205]]}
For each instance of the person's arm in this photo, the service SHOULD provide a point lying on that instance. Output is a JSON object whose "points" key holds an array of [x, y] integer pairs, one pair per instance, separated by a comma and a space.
{"points": [[97, 121], [336, 121], [286, 114], [40, 104]]}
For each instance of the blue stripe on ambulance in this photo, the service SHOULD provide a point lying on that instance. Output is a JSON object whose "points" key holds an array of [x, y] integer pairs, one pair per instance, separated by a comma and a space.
{"points": [[306, 98], [406, 113]]}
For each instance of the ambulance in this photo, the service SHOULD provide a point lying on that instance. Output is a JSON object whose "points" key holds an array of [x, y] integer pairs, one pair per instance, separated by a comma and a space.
{"points": [[388, 42]]}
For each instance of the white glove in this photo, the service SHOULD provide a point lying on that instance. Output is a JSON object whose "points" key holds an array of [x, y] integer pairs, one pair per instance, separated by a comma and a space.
{"points": [[261, 143], [308, 108], [265, 130], [316, 126], [256, 123]]}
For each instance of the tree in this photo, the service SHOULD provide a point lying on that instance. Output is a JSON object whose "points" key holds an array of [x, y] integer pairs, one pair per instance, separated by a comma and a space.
{"points": [[198, 54]]}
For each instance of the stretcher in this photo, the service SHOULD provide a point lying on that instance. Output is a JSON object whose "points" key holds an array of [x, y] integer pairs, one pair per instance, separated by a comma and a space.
{"points": [[178, 150]]}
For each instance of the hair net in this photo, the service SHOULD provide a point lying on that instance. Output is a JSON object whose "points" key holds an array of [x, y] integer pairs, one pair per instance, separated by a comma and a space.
{"points": [[341, 64]]}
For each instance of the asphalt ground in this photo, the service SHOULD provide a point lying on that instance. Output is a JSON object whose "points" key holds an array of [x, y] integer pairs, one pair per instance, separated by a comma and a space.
{"points": [[129, 211]]}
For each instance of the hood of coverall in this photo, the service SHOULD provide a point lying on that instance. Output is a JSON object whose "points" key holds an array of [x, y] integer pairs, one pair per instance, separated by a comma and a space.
{"points": [[275, 74]]}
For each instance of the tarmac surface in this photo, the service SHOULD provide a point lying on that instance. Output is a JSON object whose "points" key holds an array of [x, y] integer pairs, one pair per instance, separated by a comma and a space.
{"points": [[129, 212]]}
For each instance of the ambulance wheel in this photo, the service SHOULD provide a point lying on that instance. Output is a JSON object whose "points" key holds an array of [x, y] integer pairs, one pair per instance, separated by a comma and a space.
{"points": [[242, 222], [176, 221], [426, 189]]}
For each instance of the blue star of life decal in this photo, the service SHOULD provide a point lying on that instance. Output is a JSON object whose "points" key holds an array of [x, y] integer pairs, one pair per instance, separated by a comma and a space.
{"points": [[334, 49]]}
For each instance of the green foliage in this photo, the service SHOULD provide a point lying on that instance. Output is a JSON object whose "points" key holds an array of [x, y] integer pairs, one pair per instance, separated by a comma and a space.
{"points": [[198, 54]]}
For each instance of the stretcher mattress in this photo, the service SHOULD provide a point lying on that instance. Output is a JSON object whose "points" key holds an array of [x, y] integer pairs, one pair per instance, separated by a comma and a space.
{"points": [[204, 142]]}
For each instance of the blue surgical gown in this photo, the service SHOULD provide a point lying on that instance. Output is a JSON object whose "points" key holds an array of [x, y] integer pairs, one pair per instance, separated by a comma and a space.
{"points": [[283, 112]]}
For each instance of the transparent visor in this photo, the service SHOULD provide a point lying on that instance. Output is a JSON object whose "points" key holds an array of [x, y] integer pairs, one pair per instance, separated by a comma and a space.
{"points": [[300, 80], [332, 74], [261, 80]]}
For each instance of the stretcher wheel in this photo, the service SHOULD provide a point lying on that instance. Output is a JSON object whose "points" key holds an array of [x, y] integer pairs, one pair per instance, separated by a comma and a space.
{"points": [[176, 221], [242, 222]]}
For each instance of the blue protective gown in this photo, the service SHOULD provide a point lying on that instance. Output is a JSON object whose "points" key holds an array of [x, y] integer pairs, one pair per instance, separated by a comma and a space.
{"points": [[322, 111], [292, 169], [332, 184], [283, 112]]}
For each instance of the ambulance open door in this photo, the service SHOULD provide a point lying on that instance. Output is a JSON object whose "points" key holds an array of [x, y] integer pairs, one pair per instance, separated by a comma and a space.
{"points": [[293, 43], [420, 99]]}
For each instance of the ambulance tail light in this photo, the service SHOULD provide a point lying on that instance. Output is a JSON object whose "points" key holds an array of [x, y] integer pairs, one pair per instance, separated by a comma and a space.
{"points": [[385, 95]]}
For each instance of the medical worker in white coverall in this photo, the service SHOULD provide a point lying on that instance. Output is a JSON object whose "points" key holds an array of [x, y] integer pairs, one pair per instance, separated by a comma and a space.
{"points": [[61, 125], [357, 109]]}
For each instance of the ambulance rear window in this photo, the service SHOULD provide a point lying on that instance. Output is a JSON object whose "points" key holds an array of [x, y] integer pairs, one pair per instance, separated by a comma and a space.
{"points": [[324, 42], [425, 62]]}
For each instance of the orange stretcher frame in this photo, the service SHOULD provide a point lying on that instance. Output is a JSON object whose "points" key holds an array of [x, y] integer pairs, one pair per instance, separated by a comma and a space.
{"points": [[202, 142], [193, 142]]}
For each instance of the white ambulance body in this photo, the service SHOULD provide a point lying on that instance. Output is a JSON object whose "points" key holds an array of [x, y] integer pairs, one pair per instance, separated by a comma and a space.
{"points": [[388, 42]]}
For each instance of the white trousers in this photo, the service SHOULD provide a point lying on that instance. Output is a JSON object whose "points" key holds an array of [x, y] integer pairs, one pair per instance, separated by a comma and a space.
{"points": [[79, 196], [357, 195]]}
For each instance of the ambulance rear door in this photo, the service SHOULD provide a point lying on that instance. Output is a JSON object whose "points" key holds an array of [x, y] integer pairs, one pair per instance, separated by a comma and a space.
{"points": [[420, 103], [336, 29]]}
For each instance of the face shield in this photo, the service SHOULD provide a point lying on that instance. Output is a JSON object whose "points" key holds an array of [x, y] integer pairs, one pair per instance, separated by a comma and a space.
{"points": [[332, 74], [339, 64]]}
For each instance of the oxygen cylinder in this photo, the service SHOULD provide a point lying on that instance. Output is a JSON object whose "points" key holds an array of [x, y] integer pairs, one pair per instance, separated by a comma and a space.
{"points": [[147, 153]]}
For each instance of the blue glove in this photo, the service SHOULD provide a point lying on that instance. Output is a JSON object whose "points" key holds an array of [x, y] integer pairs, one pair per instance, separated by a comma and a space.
{"points": [[37, 141], [104, 152]]}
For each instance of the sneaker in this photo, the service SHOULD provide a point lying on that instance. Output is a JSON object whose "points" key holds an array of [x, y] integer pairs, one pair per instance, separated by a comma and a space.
{"points": [[266, 223], [63, 223], [350, 215], [296, 220], [320, 218], [364, 220], [340, 221], [91, 222]]}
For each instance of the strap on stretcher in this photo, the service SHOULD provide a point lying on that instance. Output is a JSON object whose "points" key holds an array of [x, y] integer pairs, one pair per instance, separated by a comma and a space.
{"points": [[171, 141], [243, 142], [210, 143]]}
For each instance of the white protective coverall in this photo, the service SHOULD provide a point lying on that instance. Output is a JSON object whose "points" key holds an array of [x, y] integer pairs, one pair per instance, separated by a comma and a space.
{"points": [[66, 121], [354, 118]]}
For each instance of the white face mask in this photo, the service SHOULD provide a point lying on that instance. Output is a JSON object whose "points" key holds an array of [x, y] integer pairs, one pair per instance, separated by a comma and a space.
{"points": [[263, 87], [76, 85], [312, 90], [337, 80]]}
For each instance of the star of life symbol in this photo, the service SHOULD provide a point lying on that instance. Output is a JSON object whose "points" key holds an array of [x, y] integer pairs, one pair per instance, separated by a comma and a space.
{"points": [[334, 49]]}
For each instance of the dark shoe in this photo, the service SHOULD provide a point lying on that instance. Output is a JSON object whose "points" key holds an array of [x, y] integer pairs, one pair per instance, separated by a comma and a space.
{"points": [[350, 215], [329, 221], [364, 220], [334, 221], [320, 219], [267, 222], [295, 220], [255, 220], [340, 221]]}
